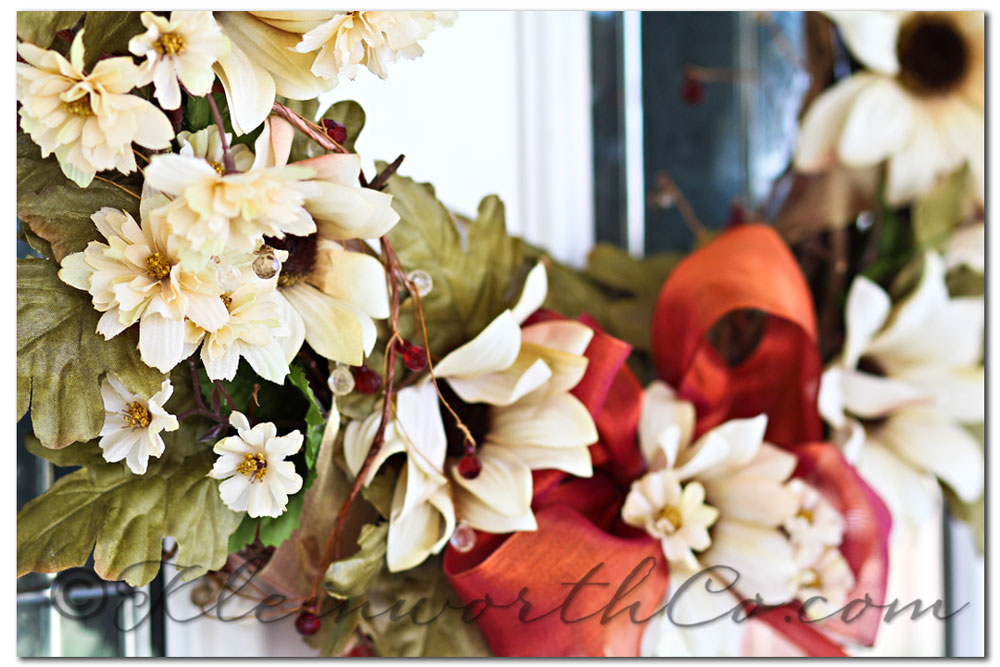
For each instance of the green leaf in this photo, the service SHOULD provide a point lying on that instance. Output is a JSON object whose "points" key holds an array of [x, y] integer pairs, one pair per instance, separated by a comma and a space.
{"points": [[351, 576], [61, 359], [470, 289], [123, 519], [197, 114], [314, 415], [434, 629], [349, 114], [40, 28], [338, 619], [80, 454], [243, 535], [936, 215], [108, 33]]}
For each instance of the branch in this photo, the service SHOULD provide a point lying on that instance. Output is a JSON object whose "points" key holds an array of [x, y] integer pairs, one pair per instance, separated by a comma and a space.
{"points": [[227, 155], [303, 125]]}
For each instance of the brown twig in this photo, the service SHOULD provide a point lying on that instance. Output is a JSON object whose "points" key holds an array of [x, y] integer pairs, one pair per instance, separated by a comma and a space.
{"points": [[303, 125], [383, 177], [227, 155], [117, 185], [667, 184]]}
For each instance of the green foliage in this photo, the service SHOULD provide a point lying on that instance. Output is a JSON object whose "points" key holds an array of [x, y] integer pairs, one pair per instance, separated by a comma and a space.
{"points": [[61, 359], [937, 214], [470, 287], [108, 33], [350, 577], [349, 114], [40, 28], [315, 422], [198, 115], [56, 209], [427, 623]]}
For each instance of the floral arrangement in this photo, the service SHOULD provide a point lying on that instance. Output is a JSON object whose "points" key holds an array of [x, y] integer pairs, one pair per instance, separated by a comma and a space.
{"points": [[328, 382]]}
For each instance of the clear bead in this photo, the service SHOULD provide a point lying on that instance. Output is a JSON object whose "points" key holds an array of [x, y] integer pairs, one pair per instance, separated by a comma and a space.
{"points": [[228, 276], [422, 281], [266, 265], [464, 538], [341, 380]]}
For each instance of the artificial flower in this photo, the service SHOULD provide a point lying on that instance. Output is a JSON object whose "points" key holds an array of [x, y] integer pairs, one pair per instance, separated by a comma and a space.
{"points": [[967, 247], [137, 277], [372, 39], [214, 212], [510, 385], [88, 120], [257, 477], [253, 330], [132, 424], [207, 145], [905, 381], [179, 51], [919, 105]]}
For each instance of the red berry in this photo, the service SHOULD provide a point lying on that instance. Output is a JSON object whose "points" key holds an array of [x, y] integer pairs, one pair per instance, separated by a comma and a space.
{"points": [[737, 214], [335, 130], [361, 650], [307, 623], [469, 466], [414, 356], [366, 381], [692, 91]]}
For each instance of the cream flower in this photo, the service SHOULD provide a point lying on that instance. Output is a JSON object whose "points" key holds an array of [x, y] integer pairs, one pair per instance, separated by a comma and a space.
{"points": [[132, 424], [88, 120], [816, 527], [182, 48], [207, 144], [216, 212], [967, 247], [257, 477], [511, 386], [253, 330], [372, 39], [919, 105], [825, 584], [910, 375], [136, 277]]}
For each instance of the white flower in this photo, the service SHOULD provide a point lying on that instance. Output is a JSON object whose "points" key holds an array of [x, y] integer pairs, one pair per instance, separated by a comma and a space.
{"points": [[919, 105], [816, 527], [183, 47], [967, 247], [825, 584], [88, 120], [207, 144], [253, 330], [372, 39], [514, 382], [215, 212], [257, 477], [132, 424], [910, 375], [137, 277]]}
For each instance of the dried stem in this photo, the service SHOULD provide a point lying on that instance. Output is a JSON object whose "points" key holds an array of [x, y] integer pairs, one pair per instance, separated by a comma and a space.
{"points": [[383, 177], [227, 155], [117, 185], [303, 125], [664, 182]]}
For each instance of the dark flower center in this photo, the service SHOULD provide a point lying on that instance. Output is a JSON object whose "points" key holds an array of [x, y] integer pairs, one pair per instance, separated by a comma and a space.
{"points": [[933, 56], [301, 257], [475, 416]]}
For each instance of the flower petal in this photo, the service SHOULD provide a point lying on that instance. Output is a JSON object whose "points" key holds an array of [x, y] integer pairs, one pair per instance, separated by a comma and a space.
{"points": [[871, 37], [494, 349], [332, 328]]}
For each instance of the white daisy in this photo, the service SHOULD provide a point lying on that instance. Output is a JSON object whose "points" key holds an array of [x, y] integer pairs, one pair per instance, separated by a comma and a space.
{"points": [[182, 48], [132, 424], [919, 104], [906, 379], [136, 276], [257, 477], [88, 120]]}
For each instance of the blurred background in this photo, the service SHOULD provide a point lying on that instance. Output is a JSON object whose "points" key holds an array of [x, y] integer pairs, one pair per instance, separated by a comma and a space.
{"points": [[591, 126]]}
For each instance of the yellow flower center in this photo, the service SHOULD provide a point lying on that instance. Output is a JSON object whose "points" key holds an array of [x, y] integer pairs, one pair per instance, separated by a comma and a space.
{"points": [[226, 300], [811, 579], [136, 414], [217, 166], [671, 514], [79, 107], [158, 266], [806, 514], [254, 466], [289, 279], [170, 44]]}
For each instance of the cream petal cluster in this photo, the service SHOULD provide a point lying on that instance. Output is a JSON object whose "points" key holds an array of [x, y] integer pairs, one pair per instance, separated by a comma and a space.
{"points": [[132, 424], [135, 277], [520, 377], [372, 39], [726, 500], [906, 380], [88, 120], [257, 478], [179, 50], [919, 105], [207, 145], [212, 212]]}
